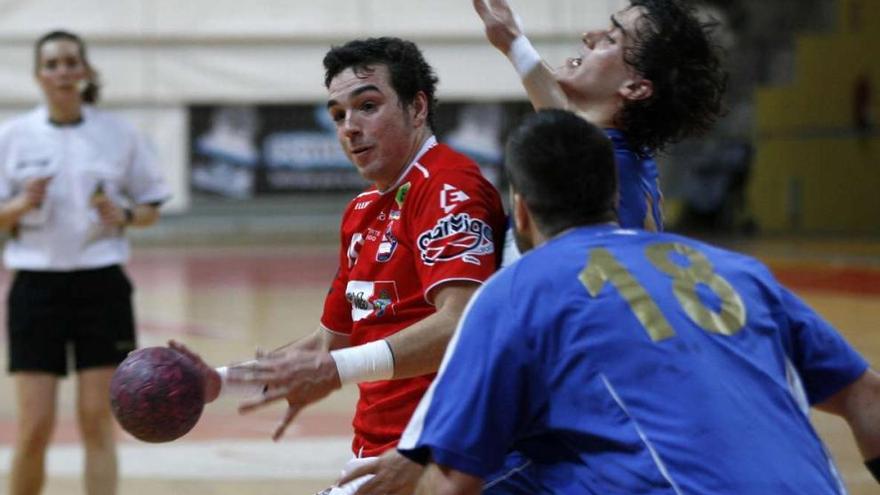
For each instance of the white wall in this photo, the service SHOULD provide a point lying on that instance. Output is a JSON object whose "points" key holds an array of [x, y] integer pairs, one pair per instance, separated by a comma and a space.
{"points": [[158, 56]]}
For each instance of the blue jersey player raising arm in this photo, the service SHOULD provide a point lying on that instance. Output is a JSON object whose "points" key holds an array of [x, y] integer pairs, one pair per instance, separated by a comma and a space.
{"points": [[651, 78], [624, 361]]}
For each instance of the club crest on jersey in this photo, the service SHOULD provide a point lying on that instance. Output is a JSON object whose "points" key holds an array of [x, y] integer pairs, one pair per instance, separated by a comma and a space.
{"points": [[456, 236], [400, 197], [387, 246], [371, 298]]}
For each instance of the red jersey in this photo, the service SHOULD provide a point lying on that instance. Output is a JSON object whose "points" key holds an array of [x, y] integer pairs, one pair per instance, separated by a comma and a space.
{"points": [[441, 221]]}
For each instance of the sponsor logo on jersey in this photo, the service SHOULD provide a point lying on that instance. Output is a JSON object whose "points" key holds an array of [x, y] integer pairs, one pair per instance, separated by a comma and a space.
{"points": [[361, 205], [387, 246], [400, 197], [368, 298], [372, 234], [456, 236], [40, 163], [450, 197]]}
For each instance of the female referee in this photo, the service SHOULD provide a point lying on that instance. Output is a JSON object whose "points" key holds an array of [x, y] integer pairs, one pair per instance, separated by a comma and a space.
{"points": [[72, 180]]}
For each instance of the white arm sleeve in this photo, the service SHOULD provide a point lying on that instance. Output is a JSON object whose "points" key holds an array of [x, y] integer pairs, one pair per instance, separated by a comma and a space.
{"points": [[237, 389]]}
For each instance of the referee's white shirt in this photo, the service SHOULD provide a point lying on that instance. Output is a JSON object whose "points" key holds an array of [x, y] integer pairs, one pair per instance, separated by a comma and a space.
{"points": [[65, 233]]}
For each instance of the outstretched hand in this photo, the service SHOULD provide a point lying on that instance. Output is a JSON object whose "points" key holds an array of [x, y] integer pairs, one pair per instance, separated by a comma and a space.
{"points": [[302, 377], [211, 376], [500, 21]]}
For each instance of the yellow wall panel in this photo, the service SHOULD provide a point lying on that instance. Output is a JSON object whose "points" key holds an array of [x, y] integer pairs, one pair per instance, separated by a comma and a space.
{"points": [[774, 108], [814, 170], [817, 185], [858, 15]]}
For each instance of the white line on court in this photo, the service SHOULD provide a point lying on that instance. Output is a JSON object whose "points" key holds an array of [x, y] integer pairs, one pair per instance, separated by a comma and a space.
{"points": [[302, 458]]}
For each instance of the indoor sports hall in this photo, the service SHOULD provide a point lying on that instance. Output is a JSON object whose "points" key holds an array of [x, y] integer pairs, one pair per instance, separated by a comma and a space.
{"points": [[231, 96]]}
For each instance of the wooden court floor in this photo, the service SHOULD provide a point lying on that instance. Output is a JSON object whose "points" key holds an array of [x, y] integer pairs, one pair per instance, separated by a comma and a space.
{"points": [[225, 302]]}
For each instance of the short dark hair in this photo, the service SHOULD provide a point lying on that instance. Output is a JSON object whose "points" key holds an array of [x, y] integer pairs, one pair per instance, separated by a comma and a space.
{"points": [[409, 71], [564, 169], [92, 92], [675, 51]]}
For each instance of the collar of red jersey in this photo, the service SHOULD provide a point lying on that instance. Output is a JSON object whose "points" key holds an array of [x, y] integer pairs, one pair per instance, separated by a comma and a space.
{"points": [[426, 146]]}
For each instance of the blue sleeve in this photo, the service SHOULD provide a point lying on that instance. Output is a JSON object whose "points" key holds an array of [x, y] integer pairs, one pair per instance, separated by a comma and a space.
{"points": [[823, 358], [471, 414]]}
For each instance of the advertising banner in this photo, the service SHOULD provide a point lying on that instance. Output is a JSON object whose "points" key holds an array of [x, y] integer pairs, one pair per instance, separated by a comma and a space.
{"points": [[241, 151]]}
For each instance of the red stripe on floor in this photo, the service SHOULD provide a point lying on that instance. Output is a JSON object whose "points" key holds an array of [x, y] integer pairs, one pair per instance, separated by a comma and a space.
{"points": [[217, 426], [847, 280]]}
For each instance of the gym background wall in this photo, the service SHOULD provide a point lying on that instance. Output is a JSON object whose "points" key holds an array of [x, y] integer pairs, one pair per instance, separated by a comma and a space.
{"points": [[158, 57], [761, 168]]}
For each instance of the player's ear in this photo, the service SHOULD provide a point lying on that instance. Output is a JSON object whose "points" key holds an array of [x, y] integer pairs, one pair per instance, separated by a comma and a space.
{"points": [[635, 89], [419, 109]]}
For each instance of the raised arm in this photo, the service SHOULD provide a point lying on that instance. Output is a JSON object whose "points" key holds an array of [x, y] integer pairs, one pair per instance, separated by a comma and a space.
{"points": [[504, 33]]}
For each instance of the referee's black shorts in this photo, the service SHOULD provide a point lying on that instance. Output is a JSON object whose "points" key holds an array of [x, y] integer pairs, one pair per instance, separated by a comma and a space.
{"points": [[88, 310]]}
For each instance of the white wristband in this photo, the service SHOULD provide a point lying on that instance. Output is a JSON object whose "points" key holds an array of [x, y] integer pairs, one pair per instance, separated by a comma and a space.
{"points": [[237, 389], [364, 363], [523, 55]]}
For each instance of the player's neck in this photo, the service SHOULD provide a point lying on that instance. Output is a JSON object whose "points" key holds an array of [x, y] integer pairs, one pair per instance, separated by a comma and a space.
{"points": [[599, 114], [417, 143], [65, 113], [598, 110]]}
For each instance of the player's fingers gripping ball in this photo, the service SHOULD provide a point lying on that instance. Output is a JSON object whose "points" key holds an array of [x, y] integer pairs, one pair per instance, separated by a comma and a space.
{"points": [[157, 394]]}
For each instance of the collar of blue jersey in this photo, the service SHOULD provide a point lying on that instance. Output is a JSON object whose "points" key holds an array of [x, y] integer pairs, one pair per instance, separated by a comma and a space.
{"points": [[599, 229], [615, 134], [619, 139]]}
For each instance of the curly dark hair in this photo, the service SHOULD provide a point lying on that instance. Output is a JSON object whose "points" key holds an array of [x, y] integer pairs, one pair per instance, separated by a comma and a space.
{"points": [[92, 91], [675, 51], [409, 71]]}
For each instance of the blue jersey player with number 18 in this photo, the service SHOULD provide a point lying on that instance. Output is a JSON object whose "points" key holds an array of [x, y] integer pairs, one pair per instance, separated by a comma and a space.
{"points": [[624, 362]]}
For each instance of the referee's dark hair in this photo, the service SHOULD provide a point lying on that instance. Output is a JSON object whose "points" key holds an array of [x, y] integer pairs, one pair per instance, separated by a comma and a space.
{"points": [[409, 72], [564, 169], [92, 91]]}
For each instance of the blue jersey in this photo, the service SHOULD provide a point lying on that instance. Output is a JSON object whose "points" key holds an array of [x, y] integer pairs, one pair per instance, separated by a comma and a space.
{"points": [[640, 205], [625, 362]]}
